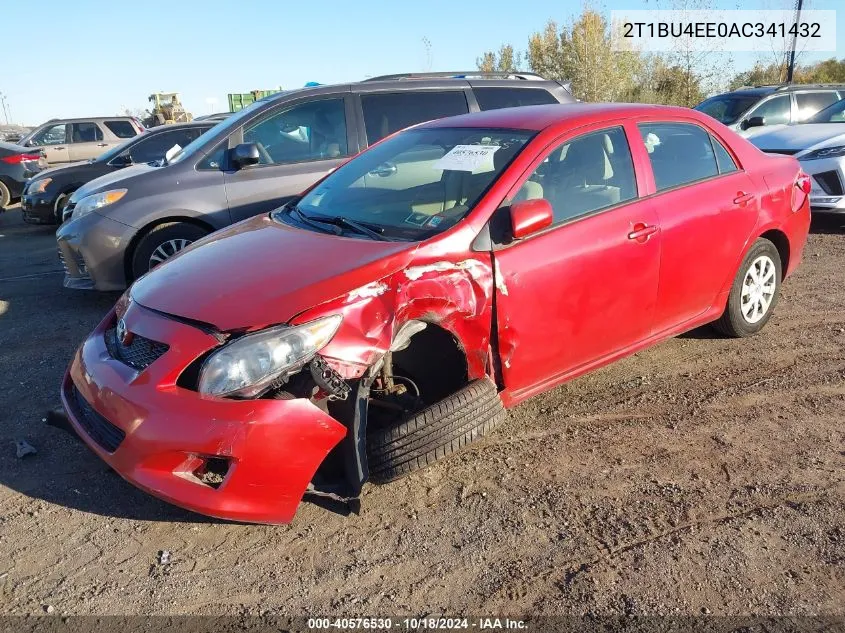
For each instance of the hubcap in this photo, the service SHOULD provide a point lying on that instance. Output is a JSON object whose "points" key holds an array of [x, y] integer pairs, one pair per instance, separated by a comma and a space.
{"points": [[758, 289], [167, 250]]}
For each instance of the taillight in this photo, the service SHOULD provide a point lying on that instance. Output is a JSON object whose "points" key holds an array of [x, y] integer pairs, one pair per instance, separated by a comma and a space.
{"points": [[803, 182], [20, 158]]}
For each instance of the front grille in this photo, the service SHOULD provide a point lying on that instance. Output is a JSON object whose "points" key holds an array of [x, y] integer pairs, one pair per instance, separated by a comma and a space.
{"points": [[787, 152], [103, 432], [79, 262], [62, 260], [139, 354], [830, 182]]}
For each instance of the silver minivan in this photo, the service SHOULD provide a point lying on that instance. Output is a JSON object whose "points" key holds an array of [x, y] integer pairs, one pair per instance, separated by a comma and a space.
{"points": [[749, 110]]}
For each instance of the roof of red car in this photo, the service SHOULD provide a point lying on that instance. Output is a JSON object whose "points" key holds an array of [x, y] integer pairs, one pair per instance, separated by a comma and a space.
{"points": [[540, 117]]}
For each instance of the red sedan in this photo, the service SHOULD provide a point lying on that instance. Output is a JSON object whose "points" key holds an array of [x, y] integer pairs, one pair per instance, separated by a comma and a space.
{"points": [[390, 314]]}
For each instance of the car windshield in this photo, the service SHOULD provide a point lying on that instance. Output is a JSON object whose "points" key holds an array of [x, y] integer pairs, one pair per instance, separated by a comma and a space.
{"points": [[727, 108], [414, 185], [831, 114]]}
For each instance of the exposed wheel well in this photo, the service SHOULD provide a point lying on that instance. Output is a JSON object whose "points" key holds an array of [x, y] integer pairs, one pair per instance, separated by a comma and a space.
{"points": [[129, 253], [781, 242], [436, 362]]}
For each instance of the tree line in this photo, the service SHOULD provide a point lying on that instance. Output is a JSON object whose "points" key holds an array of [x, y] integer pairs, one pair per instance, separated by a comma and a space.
{"points": [[581, 52]]}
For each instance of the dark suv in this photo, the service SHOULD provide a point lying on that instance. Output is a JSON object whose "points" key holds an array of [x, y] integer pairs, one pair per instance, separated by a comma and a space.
{"points": [[123, 224]]}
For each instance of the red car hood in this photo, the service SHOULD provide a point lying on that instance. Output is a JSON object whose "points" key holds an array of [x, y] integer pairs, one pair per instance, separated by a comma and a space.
{"points": [[261, 272]]}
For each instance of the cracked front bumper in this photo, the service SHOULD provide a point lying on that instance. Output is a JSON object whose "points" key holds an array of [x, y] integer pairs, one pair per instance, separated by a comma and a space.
{"points": [[155, 433]]}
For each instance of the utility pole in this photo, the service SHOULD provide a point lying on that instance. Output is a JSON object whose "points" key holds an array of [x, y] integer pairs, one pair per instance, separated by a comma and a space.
{"points": [[790, 69], [5, 107]]}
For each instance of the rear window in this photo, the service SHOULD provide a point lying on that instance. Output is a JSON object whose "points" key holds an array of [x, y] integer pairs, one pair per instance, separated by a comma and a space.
{"points": [[121, 129], [495, 98], [386, 113]]}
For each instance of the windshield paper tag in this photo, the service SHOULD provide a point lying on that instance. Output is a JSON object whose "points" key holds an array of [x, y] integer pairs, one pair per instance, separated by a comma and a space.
{"points": [[467, 158], [172, 152]]}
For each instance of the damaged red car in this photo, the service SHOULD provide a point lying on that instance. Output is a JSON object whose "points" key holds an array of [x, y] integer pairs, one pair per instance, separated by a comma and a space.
{"points": [[390, 314]]}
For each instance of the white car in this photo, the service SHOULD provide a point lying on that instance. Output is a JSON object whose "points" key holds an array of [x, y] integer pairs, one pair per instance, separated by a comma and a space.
{"points": [[819, 144]]}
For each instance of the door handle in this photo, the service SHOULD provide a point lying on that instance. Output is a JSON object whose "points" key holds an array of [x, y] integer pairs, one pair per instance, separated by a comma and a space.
{"points": [[102, 144], [384, 170], [59, 148], [742, 197], [642, 232]]}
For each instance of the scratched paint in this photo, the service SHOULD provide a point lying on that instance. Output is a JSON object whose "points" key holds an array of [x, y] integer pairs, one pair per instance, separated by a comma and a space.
{"points": [[374, 289], [473, 266]]}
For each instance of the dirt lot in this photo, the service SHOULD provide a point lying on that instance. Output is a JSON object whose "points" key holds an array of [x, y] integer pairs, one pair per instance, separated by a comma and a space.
{"points": [[703, 476]]}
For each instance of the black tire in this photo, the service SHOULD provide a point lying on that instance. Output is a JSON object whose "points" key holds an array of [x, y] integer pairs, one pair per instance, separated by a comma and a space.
{"points": [[159, 236], [61, 203], [733, 322], [434, 432], [5, 196]]}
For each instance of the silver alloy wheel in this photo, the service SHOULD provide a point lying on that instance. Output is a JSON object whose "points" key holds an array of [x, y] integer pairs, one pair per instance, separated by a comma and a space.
{"points": [[167, 250], [758, 289]]}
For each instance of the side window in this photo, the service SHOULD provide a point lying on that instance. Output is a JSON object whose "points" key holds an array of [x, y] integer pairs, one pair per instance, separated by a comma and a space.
{"points": [[583, 175], [811, 102], [775, 110], [724, 161], [309, 131], [386, 113], [53, 135], [155, 146], [121, 129], [87, 132], [495, 98], [680, 153]]}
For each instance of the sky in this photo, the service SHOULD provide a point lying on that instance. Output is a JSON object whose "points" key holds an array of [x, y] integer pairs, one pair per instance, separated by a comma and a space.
{"points": [[96, 58]]}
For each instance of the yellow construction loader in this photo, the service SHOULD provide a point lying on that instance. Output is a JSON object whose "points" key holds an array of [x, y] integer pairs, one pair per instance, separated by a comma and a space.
{"points": [[167, 109]]}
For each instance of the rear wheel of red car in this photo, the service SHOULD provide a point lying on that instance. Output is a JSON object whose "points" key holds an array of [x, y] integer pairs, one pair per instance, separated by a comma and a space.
{"points": [[434, 432], [162, 243], [754, 293], [5, 196]]}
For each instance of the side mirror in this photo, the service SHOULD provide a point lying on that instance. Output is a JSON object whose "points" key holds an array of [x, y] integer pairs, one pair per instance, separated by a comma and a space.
{"points": [[244, 155], [123, 160], [530, 216], [755, 121]]}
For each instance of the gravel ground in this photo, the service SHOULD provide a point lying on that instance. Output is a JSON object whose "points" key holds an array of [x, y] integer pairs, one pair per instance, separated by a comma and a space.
{"points": [[702, 476]]}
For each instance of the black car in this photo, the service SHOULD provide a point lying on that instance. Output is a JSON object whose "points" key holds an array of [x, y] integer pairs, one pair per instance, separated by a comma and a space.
{"points": [[46, 195], [17, 163]]}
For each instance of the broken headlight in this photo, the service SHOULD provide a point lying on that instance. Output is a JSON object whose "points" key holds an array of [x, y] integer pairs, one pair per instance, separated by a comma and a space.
{"points": [[248, 365]]}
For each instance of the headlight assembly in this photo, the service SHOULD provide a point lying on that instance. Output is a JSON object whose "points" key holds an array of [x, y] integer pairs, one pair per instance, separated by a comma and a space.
{"points": [[825, 152], [39, 185], [97, 201], [247, 365]]}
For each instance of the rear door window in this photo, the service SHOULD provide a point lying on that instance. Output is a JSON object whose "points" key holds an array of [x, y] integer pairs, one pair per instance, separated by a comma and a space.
{"points": [[724, 161], [386, 113], [680, 153], [121, 129], [811, 102], [85, 132], [495, 98]]}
